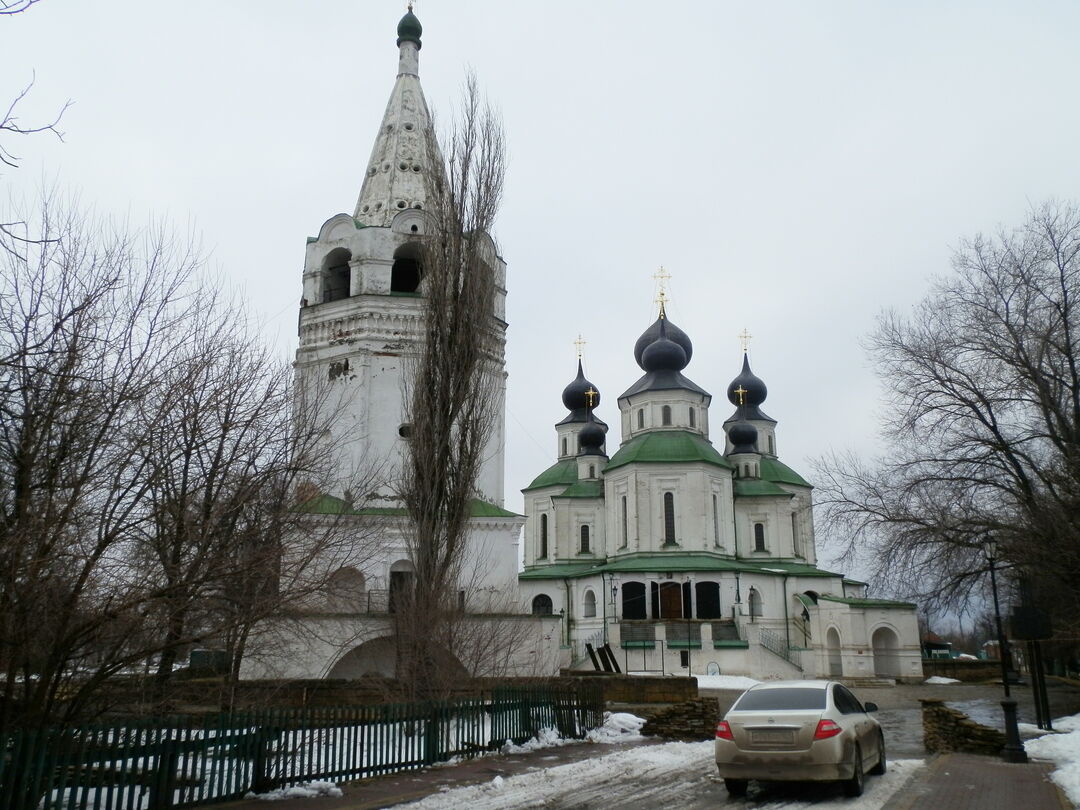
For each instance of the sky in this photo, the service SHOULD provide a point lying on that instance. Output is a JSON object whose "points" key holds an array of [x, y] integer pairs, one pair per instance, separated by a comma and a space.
{"points": [[796, 167]]}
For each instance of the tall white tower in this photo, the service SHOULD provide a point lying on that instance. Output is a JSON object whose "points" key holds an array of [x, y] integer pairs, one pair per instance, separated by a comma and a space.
{"points": [[364, 287]]}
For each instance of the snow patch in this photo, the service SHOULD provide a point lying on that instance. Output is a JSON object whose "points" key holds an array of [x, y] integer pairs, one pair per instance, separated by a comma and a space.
{"points": [[725, 682], [935, 679], [305, 790], [618, 727], [1062, 747]]}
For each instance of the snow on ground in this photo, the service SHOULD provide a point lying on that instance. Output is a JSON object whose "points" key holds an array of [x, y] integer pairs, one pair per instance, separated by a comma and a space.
{"points": [[307, 790], [678, 774], [1062, 747], [938, 679], [618, 727], [724, 682]]}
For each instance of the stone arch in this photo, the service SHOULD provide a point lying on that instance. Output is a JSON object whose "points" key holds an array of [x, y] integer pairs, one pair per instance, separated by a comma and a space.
{"points": [[886, 645], [377, 657], [832, 649], [401, 584], [542, 605], [756, 607], [588, 604], [407, 271], [336, 274], [634, 605], [345, 591]]}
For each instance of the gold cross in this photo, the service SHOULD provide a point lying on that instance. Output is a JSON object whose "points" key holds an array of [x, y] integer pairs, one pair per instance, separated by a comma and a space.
{"points": [[744, 339], [662, 276], [742, 392], [590, 396], [579, 344]]}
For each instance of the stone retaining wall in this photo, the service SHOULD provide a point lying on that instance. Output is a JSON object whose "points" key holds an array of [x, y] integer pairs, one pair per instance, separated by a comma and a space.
{"points": [[946, 730], [973, 671], [690, 720]]}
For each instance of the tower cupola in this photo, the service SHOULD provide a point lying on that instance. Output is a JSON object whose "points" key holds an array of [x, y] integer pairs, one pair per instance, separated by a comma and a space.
{"points": [[409, 29]]}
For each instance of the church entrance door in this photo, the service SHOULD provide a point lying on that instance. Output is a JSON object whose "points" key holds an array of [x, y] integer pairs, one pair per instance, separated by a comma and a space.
{"points": [[671, 600]]}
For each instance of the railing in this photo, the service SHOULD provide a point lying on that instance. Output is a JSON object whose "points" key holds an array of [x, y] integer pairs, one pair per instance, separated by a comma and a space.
{"points": [[183, 762], [775, 643]]}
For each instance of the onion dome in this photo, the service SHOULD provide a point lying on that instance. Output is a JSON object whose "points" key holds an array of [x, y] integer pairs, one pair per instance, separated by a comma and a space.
{"points": [[409, 29], [674, 333], [664, 354], [576, 395], [747, 389], [743, 437], [591, 438]]}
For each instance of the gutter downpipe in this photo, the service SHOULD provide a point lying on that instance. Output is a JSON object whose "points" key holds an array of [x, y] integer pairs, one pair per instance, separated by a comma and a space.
{"points": [[787, 621]]}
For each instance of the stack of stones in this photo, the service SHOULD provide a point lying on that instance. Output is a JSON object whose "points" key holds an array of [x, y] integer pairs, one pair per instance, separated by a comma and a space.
{"points": [[946, 729], [691, 720]]}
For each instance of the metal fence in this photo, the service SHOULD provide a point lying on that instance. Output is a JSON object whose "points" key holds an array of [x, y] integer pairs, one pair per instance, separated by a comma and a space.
{"points": [[183, 762]]}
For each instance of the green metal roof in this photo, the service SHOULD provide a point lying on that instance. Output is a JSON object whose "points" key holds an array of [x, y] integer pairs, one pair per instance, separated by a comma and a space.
{"points": [[778, 472], [756, 488], [560, 571], [561, 473], [583, 489], [665, 561], [329, 505], [661, 561], [667, 446], [881, 603], [794, 569]]}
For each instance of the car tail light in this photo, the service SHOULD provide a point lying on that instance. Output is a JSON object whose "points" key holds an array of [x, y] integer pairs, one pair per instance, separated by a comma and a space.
{"points": [[723, 731], [825, 729]]}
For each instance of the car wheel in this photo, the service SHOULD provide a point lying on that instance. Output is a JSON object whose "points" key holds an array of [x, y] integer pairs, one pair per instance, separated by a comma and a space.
{"points": [[879, 768], [854, 785], [736, 787]]}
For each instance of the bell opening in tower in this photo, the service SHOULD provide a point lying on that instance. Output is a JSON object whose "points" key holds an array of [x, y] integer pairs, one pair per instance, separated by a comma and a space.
{"points": [[406, 272], [336, 275]]}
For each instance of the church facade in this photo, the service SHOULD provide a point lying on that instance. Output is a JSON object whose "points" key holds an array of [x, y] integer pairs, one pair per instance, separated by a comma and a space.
{"points": [[691, 558]]}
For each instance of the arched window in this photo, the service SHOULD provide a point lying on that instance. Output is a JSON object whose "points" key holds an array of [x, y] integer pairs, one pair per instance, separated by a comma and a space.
{"points": [[772, 447], [715, 521], [759, 537], [693, 418], [641, 418], [401, 585], [543, 538], [755, 603], [564, 445], [541, 605], [669, 519], [584, 548], [345, 591], [588, 605], [796, 541], [708, 600], [633, 601], [625, 524], [406, 272], [665, 415], [336, 275], [592, 471]]}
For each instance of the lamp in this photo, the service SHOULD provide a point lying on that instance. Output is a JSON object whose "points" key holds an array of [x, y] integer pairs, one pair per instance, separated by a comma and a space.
{"points": [[1014, 748]]}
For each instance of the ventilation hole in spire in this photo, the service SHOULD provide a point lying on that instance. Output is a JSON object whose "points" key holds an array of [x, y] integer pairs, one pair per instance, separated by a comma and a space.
{"points": [[386, 167], [416, 206], [371, 172], [414, 229], [389, 127], [416, 169], [408, 127], [400, 203], [403, 166], [366, 208], [378, 206]]}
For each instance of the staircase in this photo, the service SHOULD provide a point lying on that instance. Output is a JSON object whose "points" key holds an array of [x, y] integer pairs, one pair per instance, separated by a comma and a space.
{"points": [[777, 645]]}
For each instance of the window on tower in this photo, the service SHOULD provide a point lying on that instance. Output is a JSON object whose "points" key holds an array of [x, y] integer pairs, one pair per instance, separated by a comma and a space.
{"points": [[406, 272], [625, 524], [759, 537], [641, 418], [665, 415], [669, 519], [584, 548], [542, 555], [336, 275], [693, 418]]}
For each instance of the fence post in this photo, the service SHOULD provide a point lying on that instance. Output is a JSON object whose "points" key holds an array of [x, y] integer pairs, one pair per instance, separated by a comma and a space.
{"points": [[161, 792]]}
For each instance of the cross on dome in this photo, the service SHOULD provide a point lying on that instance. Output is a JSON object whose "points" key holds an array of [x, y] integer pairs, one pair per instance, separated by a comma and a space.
{"points": [[744, 339], [579, 344], [662, 276]]}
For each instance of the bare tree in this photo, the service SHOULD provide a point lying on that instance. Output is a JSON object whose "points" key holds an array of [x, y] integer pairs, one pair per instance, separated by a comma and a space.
{"points": [[983, 425], [451, 392]]}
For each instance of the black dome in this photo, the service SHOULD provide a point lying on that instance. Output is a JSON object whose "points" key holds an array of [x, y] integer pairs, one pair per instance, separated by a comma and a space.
{"points": [[743, 437], [409, 29], [674, 333], [663, 354], [591, 438], [753, 391], [575, 395]]}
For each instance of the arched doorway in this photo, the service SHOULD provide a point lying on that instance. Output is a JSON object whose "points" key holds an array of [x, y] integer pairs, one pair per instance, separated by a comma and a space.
{"points": [[832, 647], [633, 601], [886, 652], [401, 585], [345, 591], [541, 605]]}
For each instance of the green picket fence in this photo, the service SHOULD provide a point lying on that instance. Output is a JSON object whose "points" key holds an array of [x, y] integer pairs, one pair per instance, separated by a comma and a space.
{"points": [[180, 762]]}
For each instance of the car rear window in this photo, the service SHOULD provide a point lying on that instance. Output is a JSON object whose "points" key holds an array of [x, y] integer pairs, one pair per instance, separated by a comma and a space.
{"points": [[781, 700]]}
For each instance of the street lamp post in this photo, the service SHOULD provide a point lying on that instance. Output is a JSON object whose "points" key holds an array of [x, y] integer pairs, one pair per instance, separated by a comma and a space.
{"points": [[1014, 748]]}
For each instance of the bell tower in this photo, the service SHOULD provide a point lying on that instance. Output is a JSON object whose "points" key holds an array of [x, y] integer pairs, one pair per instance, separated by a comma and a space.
{"points": [[362, 308]]}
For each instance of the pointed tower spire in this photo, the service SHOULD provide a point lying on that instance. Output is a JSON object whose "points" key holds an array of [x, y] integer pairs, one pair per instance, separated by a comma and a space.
{"points": [[405, 150]]}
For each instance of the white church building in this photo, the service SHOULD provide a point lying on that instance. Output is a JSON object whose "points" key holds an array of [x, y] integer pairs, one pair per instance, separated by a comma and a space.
{"points": [[683, 556]]}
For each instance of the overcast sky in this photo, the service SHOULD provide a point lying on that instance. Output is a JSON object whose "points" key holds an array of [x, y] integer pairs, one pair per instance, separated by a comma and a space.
{"points": [[795, 166]]}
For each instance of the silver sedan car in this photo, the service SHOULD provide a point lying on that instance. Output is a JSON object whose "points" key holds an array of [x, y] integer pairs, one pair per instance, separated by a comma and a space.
{"points": [[799, 730]]}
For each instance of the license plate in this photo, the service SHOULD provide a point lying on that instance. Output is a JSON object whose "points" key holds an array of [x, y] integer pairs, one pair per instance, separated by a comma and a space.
{"points": [[781, 736]]}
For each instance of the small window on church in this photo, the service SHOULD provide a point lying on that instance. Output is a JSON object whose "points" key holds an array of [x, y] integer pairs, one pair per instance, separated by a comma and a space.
{"points": [[625, 524], [584, 540], [665, 415], [406, 272], [693, 418], [336, 275], [759, 537], [564, 445], [542, 555], [641, 418], [772, 449], [669, 519], [592, 471]]}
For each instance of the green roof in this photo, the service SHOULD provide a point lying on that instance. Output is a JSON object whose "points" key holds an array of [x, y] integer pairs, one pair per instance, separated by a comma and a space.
{"points": [[756, 488], [780, 473], [329, 505], [560, 570], [583, 489], [667, 446], [663, 561], [881, 603], [794, 569], [561, 473]]}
